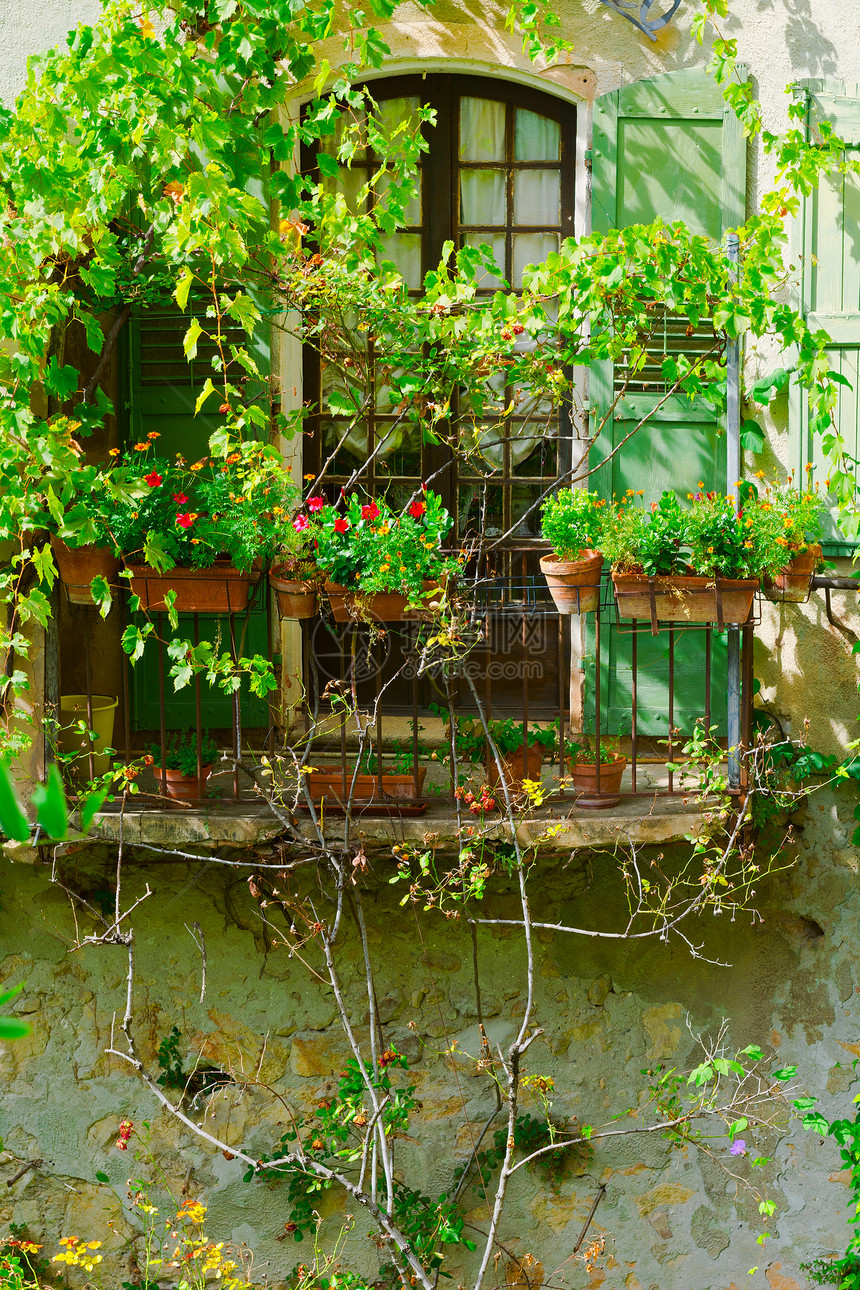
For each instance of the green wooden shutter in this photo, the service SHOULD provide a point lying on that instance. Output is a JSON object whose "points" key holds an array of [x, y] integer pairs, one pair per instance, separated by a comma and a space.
{"points": [[163, 389], [665, 148], [828, 239]]}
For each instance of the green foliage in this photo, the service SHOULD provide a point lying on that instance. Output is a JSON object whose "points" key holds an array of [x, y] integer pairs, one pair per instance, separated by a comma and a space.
{"points": [[12, 1027], [182, 514], [586, 756], [844, 1271], [571, 521], [181, 752], [368, 546], [709, 538]]}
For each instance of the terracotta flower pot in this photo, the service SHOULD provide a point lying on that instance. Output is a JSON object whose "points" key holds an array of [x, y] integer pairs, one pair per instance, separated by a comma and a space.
{"points": [[512, 764], [792, 583], [220, 589], [584, 776], [184, 788], [574, 584], [79, 565], [297, 597], [678, 599], [348, 605], [332, 784]]}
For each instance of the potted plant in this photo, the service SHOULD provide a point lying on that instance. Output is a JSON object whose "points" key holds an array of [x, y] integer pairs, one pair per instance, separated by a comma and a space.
{"points": [[798, 515], [595, 789], [380, 564], [201, 529], [571, 521], [405, 782], [295, 577], [701, 564], [77, 508], [521, 755], [180, 765]]}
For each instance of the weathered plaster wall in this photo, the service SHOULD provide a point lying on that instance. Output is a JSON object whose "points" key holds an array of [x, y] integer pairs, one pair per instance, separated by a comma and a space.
{"points": [[671, 1221], [608, 1010]]}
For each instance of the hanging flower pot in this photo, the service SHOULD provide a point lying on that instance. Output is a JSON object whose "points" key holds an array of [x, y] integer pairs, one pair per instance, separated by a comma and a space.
{"points": [[676, 599], [792, 584], [349, 605], [297, 597], [574, 584], [584, 776], [78, 566], [220, 589]]}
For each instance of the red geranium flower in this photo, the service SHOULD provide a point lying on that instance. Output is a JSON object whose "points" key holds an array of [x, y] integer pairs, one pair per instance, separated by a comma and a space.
{"points": [[300, 522], [369, 512], [417, 509], [341, 525], [185, 519], [180, 499], [316, 503], [153, 480]]}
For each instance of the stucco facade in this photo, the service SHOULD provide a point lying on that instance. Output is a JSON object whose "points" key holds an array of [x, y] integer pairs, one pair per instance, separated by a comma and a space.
{"points": [[673, 1221]]}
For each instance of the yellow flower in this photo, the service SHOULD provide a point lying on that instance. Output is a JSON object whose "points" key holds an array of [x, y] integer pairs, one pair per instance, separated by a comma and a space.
{"points": [[113, 452], [153, 434], [277, 510], [310, 476], [141, 447]]}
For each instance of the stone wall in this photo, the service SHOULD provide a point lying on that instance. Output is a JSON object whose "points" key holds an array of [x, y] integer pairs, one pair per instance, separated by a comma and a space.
{"points": [[608, 1008]]}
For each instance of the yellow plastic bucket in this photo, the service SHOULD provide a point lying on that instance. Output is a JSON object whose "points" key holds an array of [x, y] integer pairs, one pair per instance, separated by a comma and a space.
{"points": [[73, 708]]}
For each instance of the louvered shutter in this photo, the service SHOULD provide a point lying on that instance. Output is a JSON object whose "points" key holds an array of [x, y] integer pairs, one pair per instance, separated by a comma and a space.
{"points": [[828, 239], [163, 390], [665, 148]]}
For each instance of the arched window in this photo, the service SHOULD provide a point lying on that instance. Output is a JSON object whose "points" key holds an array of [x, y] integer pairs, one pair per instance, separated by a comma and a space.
{"points": [[500, 171]]}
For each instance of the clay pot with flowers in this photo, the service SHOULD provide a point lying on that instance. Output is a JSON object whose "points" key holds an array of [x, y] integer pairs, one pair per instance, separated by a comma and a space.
{"points": [[699, 563], [380, 564], [295, 577], [798, 515], [571, 521], [201, 530], [182, 768]]}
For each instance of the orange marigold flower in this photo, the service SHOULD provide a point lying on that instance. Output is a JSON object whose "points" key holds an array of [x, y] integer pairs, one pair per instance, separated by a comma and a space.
{"points": [[113, 452]]}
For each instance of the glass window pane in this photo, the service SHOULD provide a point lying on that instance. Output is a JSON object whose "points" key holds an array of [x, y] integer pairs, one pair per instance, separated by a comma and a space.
{"points": [[412, 208], [482, 130], [350, 127], [496, 243], [392, 113], [404, 249], [482, 197], [399, 448], [536, 138], [349, 182], [531, 248], [537, 197], [352, 439]]}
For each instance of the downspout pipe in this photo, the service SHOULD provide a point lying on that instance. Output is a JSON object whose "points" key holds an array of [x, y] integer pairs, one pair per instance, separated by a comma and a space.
{"points": [[733, 474]]}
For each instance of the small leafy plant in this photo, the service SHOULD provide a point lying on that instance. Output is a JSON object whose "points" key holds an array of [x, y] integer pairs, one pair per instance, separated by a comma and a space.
{"points": [[572, 522], [587, 756], [181, 753], [509, 736]]}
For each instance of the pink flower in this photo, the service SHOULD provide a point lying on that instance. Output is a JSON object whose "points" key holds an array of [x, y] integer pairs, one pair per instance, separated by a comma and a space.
{"points": [[369, 512], [186, 519], [738, 1148], [180, 499], [153, 480], [300, 522], [417, 509], [316, 503], [341, 525]]}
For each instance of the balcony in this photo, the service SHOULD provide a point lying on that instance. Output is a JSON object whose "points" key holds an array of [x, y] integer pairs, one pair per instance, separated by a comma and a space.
{"points": [[637, 686]]}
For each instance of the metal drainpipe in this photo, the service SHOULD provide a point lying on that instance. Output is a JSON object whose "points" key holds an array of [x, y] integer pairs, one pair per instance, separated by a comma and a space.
{"points": [[733, 474]]}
